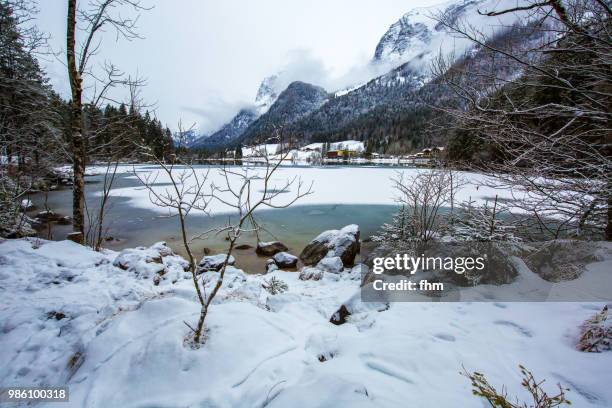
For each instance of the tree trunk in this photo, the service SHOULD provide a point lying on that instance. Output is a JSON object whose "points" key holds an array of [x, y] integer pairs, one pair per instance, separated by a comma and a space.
{"points": [[76, 126], [609, 224]]}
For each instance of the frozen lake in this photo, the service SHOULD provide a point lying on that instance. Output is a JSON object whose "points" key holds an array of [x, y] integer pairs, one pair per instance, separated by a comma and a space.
{"points": [[340, 196]]}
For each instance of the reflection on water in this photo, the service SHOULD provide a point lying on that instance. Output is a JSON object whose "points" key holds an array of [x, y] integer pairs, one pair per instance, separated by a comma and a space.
{"points": [[294, 226]]}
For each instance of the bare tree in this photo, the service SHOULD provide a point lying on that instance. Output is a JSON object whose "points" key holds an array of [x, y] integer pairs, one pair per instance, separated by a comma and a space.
{"points": [[97, 15], [541, 105], [423, 197], [242, 189]]}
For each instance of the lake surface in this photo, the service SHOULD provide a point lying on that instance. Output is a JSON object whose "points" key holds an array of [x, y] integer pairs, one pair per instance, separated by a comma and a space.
{"points": [[132, 226]]}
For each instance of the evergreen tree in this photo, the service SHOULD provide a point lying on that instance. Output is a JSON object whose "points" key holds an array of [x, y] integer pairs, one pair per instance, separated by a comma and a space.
{"points": [[395, 234]]}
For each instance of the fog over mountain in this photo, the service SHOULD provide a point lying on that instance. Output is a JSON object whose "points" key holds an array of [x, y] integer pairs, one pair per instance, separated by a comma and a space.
{"points": [[399, 65]]}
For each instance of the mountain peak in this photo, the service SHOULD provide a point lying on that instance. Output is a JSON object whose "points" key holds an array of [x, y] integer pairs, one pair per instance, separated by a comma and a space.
{"points": [[266, 94]]}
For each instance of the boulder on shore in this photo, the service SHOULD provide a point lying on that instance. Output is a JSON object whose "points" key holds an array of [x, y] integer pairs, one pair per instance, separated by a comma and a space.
{"points": [[343, 243], [271, 266], [214, 262], [285, 260], [270, 248]]}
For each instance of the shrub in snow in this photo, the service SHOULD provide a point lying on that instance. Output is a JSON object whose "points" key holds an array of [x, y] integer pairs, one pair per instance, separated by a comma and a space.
{"points": [[562, 260], [394, 234], [274, 286], [596, 333], [499, 399], [481, 223]]}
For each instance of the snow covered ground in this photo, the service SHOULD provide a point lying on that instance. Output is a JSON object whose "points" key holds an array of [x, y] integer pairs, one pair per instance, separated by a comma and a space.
{"points": [[99, 323], [330, 185]]}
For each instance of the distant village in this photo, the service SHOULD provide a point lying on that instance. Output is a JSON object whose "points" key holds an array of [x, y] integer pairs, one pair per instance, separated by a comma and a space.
{"points": [[348, 151]]}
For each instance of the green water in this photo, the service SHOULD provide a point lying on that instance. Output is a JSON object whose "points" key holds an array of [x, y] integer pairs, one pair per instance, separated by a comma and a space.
{"points": [[131, 226]]}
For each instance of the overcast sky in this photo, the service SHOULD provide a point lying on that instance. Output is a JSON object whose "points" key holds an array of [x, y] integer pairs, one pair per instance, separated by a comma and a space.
{"points": [[204, 59]]}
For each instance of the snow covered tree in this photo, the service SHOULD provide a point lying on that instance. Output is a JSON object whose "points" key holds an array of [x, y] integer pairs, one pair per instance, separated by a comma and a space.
{"points": [[546, 117], [481, 223], [394, 233]]}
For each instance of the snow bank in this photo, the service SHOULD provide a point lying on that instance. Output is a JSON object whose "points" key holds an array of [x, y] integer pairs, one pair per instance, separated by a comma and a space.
{"points": [[69, 315]]}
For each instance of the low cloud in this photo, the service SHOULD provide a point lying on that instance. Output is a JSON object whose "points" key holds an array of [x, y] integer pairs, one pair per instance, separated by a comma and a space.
{"points": [[215, 113], [302, 65]]}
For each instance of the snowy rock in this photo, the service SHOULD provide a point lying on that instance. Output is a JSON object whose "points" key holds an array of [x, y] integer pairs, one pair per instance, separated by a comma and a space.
{"points": [[65, 220], [340, 316], [157, 262], [48, 216], [285, 260], [143, 262], [23, 226], [214, 262], [270, 248], [309, 273], [162, 248], [332, 264], [354, 306], [75, 237], [562, 260], [271, 266], [343, 243], [26, 204], [129, 257]]}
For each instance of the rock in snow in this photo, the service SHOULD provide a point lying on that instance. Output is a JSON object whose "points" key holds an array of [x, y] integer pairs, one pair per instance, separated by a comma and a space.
{"points": [[271, 266], [270, 248], [343, 243], [332, 264], [309, 273], [285, 260], [214, 262]]}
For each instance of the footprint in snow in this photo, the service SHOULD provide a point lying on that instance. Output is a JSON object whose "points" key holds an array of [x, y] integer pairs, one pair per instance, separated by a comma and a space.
{"points": [[517, 327], [445, 337], [389, 370]]}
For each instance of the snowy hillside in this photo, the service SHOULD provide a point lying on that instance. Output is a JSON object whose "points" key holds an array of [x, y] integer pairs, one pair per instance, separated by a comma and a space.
{"points": [[295, 102], [229, 132], [98, 322]]}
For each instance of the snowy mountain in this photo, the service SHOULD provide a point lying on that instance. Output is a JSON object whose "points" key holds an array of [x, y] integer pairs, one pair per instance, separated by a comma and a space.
{"points": [[229, 132], [377, 107], [186, 139], [418, 37], [266, 95]]}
